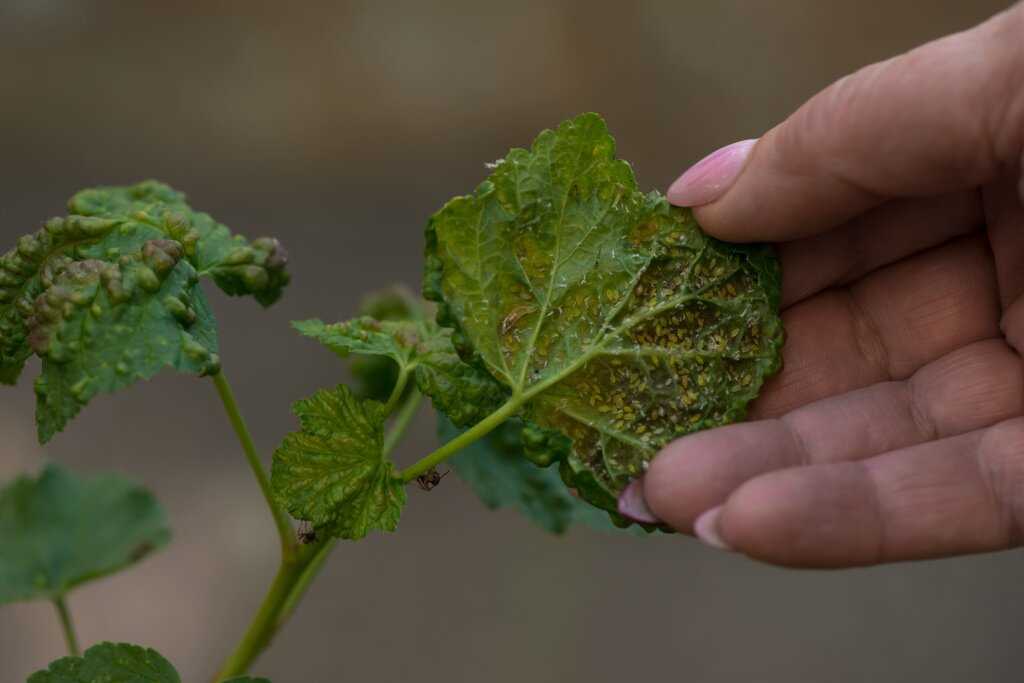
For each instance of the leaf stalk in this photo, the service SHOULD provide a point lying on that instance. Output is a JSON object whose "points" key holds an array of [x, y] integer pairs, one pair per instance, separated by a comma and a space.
{"points": [[67, 625], [281, 520], [477, 431]]}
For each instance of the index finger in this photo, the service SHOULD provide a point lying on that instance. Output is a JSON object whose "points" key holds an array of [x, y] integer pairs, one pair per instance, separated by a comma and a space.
{"points": [[944, 117]]}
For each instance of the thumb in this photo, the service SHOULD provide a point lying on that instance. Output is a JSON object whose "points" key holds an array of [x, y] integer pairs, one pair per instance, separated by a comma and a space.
{"points": [[947, 116]]}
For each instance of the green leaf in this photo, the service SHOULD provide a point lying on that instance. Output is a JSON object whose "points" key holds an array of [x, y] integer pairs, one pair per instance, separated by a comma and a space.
{"points": [[464, 393], [606, 313], [375, 376], [60, 530], [239, 267], [110, 295], [110, 663], [117, 663], [497, 470], [101, 327], [333, 473]]}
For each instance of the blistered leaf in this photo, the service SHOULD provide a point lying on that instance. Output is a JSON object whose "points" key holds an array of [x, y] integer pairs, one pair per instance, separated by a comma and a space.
{"points": [[109, 295], [497, 470], [60, 530], [606, 313], [102, 326], [239, 267], [465, 393], [117, 663], [333, 473]]}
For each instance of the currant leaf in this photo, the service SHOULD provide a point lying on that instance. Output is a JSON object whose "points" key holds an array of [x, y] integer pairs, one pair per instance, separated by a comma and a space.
{"points": [[463, 392], [117, 663], [333, 473], [606, 313], [60, 530], [109, 295], [501, 475]]}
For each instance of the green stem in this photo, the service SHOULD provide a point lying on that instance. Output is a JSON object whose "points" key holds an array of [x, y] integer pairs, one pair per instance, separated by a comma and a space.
{"points": [[477, 431], [268, 618], [67, 625], [402, 420], [396, 393], [284, 525], [316, 562]]}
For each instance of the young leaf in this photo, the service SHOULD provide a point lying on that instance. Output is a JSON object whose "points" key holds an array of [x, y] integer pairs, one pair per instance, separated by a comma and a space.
{"points": [[109, 295], [60, 530], [606, 313], [375, 376], [333, 473], [465, 393], [110, 663], [117, 663], [497, 470]]}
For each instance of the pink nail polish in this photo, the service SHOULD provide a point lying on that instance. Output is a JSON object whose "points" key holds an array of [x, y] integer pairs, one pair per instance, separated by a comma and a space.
{"points": [[709, 178], [633, 505], [706, 528]]}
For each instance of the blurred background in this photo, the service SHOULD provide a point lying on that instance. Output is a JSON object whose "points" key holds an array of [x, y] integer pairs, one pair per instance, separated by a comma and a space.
{"points": [[340, 128]]}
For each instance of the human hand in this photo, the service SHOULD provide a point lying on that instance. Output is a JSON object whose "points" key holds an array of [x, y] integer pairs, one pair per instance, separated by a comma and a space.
{"points": [[894, 430]]}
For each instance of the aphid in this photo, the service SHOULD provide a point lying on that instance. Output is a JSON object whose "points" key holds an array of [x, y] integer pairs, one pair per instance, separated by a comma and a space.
{"points": [[513, 317], [431, 478], [306, 533]]}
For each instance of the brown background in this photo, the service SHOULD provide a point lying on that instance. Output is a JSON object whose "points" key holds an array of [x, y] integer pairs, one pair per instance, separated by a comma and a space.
{"points": [[340, 128]]}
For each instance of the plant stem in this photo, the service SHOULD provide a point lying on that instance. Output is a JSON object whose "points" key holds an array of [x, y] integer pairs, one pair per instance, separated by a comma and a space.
{"points": [[316, 562], [396, 393], [477, 431], [269, 616], [67, 625], [405, 415], [284, 525]]}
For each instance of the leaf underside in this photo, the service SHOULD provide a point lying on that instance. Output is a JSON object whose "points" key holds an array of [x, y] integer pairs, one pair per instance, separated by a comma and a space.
{"points": [[109, 295], [333, 473], [606, 313], [60, 530], [117, 663]]}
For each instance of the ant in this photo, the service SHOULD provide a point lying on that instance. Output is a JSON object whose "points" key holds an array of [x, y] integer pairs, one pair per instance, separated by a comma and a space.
{"points": [[431, 478], [306, 533]]}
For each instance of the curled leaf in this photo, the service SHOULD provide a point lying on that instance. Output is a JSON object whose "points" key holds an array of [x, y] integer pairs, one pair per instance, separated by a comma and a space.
{"points": [[109, 295], [606, 313]]}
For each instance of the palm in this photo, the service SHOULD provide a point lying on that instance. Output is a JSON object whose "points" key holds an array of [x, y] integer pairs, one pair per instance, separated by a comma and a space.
{"points": [[889, 433]]}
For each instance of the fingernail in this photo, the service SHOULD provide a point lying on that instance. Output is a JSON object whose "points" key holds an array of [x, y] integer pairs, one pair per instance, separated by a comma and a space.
{"points": [[633, 505], [709, 178], [706, 528]]}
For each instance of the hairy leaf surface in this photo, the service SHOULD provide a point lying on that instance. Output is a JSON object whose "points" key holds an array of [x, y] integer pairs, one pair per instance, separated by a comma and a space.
{"points": [[333, 473], [60, 530], [117, 663], [606, 313], [109, 295]]}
